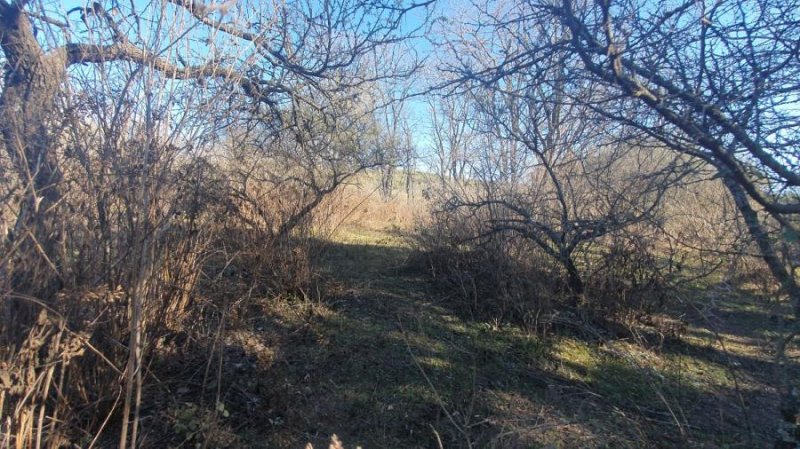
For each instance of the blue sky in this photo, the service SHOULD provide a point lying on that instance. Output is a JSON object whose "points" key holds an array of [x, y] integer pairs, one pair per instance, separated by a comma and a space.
{"points": [[417, 108]]}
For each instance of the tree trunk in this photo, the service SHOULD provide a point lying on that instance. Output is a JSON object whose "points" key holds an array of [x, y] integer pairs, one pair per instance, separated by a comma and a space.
{"points": [[765, 246], [574, 280], [32, 81], [789, 426]]}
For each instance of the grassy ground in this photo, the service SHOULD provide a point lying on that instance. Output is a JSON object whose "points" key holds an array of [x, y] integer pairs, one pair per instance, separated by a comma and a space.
{"points": [[384, 362]]}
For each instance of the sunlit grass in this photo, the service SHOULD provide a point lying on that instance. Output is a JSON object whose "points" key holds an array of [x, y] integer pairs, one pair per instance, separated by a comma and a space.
{"points": [[387, 359]]}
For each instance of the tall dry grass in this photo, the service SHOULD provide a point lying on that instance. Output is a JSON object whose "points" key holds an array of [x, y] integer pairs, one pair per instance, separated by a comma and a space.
{"points": [[151, 242]]}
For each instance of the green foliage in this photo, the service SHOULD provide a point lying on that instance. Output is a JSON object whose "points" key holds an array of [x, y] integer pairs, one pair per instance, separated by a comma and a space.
{"points": [[202, 427]]}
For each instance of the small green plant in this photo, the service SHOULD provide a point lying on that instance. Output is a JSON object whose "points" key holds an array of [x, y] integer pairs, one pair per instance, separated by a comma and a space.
{"points": [[187, 421], [203, 427]]}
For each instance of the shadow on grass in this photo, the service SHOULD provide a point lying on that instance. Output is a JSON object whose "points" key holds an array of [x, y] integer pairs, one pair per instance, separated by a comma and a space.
{"points": [[383, 366]]}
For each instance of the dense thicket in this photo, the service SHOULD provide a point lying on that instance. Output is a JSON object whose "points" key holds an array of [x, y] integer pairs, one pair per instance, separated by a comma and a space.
{"points": [[165, 164], [151, 151]]}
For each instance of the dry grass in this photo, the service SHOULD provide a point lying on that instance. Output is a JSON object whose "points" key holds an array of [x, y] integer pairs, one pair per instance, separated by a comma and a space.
{"points": [[384, 361], [359, 343]]}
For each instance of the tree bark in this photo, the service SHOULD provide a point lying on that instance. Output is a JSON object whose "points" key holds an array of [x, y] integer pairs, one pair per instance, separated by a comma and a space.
{"points": [[789, 426], [574, 281], [27, 104]]}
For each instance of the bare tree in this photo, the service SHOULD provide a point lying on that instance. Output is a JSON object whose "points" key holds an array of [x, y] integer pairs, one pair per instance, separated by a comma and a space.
{"points": [[391, 147], [452, 136], [301, 165], [119, 100], [712, 80], [549, 168], [294, 44], [575, 185]]}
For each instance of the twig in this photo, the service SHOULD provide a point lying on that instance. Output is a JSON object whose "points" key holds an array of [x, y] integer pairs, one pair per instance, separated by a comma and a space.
{"points": [[436, 394]]}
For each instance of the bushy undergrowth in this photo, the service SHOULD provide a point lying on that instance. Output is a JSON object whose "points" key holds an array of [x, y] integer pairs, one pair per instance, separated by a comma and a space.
{"points": [[145, 255], [628, 278], [505, 278], [486, 282]]}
